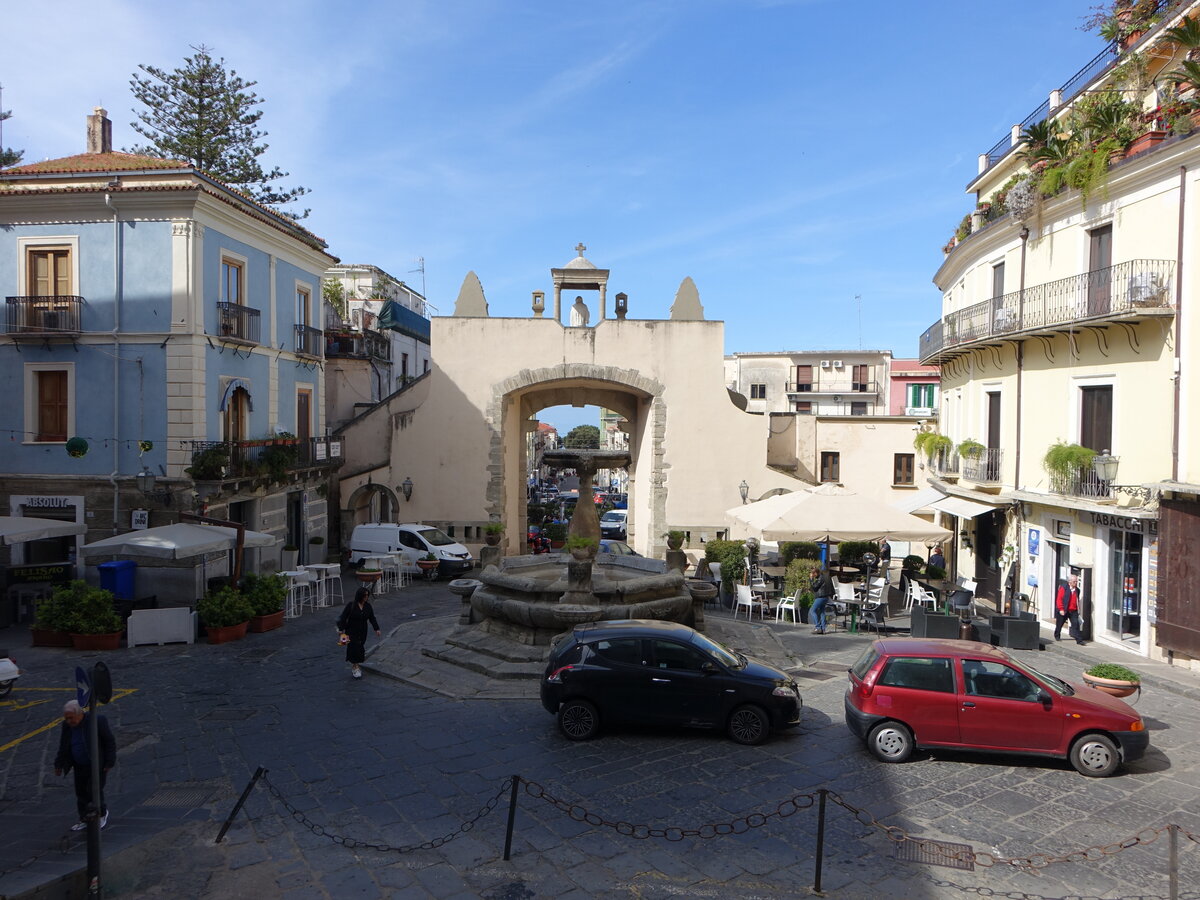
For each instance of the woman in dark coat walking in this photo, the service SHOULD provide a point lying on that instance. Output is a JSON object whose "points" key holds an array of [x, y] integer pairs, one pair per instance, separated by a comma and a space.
{"points": [[353, 623]]}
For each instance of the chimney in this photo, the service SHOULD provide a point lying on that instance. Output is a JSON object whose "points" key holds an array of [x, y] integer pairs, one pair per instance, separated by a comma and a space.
{"points": [[99, 131]]}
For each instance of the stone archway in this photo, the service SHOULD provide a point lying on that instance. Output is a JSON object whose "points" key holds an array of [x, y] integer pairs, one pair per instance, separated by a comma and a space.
{"points": [[371, 502], [635, 396]]}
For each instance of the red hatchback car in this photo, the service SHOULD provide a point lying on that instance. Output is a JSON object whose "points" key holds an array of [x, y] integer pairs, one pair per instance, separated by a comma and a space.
{"points": [[963, 695]]}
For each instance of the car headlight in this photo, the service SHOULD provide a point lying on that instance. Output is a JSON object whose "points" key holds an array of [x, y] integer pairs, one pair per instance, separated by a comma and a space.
{"points": [[789, 689]]}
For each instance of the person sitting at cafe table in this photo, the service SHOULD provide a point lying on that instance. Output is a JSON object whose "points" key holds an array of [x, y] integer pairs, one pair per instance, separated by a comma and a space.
{"points": [[936, 558]]}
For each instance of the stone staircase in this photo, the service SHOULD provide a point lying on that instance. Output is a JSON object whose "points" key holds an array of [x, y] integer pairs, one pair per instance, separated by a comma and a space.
{"points": [[487, 654]]}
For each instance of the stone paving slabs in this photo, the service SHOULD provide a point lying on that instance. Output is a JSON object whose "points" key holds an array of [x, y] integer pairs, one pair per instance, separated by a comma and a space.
{"points": [[387, 760]]}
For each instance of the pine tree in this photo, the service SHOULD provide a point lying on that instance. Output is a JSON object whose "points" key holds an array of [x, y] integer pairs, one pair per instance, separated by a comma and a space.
{"points": [[8, 156], [205, 115], [583, 437]]}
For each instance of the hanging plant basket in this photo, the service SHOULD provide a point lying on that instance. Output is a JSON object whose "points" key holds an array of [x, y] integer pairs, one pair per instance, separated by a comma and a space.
{"points": [[77, 447]]}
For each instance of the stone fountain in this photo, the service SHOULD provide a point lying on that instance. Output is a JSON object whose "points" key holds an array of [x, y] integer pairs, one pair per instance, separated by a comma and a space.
{"points": [[530, 599]]}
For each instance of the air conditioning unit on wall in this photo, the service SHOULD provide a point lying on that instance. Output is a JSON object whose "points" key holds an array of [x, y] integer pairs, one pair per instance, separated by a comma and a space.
{"points": [[837, 363], [824, 364]]}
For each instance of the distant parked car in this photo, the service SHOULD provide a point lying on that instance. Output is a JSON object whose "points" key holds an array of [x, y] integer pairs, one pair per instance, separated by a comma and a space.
{"points": [[906, 693], [636, 670], [617, 548], [614, 524]]}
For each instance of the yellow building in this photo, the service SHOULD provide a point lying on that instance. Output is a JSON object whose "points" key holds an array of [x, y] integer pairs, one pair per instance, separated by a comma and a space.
{"points": [[1064, 321]]}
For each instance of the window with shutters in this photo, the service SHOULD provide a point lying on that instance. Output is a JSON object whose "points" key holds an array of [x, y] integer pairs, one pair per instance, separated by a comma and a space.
{"points": [[49, 402], [831, 466], [902, 468], [862, 378]]}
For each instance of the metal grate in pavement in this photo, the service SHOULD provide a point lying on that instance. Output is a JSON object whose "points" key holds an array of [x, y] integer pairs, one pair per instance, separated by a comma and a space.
{"points": [[179, 797], [229, 714], [936, 853], [818, 671]]}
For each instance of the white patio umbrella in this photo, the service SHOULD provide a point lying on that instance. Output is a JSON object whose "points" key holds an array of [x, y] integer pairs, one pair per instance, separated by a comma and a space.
{"points": [[178, 541], [19, 529], [829, 513]]}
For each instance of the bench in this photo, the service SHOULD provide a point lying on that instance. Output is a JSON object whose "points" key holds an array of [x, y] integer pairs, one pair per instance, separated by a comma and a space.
{"points": [[161, 626]]}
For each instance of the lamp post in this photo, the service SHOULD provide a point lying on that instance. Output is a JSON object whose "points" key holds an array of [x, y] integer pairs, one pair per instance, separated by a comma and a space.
{"points": [[146, 480], [744, 490], [1105, 466], [406, 487]]}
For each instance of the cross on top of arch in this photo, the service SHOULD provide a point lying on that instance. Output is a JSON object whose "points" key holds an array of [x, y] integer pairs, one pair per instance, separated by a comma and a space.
{"points": [[579, 248]]}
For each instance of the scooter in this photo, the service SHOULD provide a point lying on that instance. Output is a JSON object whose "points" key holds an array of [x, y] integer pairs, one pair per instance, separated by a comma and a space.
{"points": [[9, 673]]}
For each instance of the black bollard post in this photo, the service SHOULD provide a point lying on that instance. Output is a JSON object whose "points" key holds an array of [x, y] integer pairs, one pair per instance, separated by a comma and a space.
{"points": [[258, 773], [512, 816], [820, 839]]}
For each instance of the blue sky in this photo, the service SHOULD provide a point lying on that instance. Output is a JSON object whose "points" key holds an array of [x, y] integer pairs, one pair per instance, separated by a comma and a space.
{"points": [[788, 155]]}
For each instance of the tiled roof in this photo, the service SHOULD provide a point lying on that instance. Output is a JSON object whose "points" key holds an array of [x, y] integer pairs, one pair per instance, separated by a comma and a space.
{"points": [[96, 162]]}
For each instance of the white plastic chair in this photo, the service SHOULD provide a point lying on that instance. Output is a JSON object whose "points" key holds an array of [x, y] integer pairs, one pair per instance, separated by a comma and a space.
{"points": [[745, 597], [787, 604]]}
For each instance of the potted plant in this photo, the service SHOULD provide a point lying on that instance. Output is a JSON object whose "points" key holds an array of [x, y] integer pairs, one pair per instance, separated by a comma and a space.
{"points": [[1114, 679], [314, 548], [912, 564], [581, 547], [492, 533], [731, 557], [51, 626], [289, 557], [556, 534], [428, 564], [675, 538], [970, 449], [1064, 462], [368, 575], [266, 595], [93, 622], [935, 573], [225, 613], [210, 464], [931, 444]]}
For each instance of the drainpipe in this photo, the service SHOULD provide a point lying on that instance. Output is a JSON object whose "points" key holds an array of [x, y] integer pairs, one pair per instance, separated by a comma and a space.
{"points": [[1176, 375], [116, 385], [1020, 352]]}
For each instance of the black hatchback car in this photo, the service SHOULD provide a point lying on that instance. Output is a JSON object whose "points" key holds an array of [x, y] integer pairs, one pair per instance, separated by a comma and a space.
{"points": [[643, 671]]}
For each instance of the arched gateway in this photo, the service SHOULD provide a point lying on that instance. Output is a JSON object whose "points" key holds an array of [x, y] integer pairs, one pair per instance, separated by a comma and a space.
{"points": [[459, 435]]}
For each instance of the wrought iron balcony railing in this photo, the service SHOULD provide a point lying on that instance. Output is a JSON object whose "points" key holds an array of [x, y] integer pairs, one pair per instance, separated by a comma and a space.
{"points": [[1081, 482], [238, 322], [44, 317], [1129, 288], [945, 463], [309, 341], [840, 387], [358, 345], [269, 457], [984, 468]]}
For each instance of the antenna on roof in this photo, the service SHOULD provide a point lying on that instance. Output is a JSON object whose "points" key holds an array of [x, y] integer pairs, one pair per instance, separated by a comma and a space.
{"points": [[421, 268]]}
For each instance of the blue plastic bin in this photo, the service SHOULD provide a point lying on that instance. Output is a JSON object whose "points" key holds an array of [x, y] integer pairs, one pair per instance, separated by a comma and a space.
{"points": [[117, 576]]}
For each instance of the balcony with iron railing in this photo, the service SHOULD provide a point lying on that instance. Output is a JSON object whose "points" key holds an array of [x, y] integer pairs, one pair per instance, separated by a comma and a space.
{"points": [[236, 322], [273, 458], [358, 345], [815, 389], [1128, 291], [1081, 482], [309, 341], [983, 468], [945, 464], [44, 317]]}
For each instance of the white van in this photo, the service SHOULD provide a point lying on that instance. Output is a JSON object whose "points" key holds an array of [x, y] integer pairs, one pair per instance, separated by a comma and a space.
{"points": [[412, 542]]}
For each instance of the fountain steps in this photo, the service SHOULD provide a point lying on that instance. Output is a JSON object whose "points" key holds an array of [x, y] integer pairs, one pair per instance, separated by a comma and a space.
{"points": [[484, 663]]}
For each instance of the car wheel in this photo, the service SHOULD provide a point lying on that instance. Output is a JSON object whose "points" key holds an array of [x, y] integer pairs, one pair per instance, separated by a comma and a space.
{"points": [[1095, 755], [890, 742], [749, 725], [578, 720], [6, 687]]}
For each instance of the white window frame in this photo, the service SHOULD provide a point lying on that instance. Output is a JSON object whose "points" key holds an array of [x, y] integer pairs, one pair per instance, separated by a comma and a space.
{"points": [[25, 244], [29, 430], [242, 260], [306, 287]]}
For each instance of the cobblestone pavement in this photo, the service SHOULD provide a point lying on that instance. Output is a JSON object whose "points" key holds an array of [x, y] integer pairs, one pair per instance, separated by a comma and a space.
{"points": [[388, 763]]}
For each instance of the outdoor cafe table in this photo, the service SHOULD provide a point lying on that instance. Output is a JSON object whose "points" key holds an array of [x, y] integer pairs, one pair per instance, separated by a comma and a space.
{"points": [[941, 590]]}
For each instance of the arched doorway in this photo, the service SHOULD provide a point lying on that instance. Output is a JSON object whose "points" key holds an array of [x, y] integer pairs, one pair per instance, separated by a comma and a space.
{"points": [[369, 503], [635, 398]]}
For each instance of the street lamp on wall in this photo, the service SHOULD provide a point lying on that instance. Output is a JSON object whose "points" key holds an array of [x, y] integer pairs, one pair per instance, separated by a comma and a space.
{"points": [[1105, 466], [406, 489], [145, 481], [744, 490]]}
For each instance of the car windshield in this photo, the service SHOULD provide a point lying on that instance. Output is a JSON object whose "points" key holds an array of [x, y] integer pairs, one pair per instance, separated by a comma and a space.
{"points": [[718, 652], [436, 536], [1055, 683], [612, 516]]}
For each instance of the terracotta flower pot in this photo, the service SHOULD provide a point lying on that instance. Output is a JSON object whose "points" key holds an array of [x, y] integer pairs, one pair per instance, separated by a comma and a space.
{"points": [[44, 637], [491, 539], [370, 576], [269, 622], [1114, 686], [225, 633], [96, 641]]}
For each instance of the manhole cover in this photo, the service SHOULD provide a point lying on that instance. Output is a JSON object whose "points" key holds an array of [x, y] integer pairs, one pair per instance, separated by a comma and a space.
{"points": [[229, 714], [936, 853], [179, 797]]}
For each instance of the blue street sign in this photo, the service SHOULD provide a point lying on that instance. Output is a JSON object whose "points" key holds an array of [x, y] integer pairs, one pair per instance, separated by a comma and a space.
{"points": [[83, 687]]}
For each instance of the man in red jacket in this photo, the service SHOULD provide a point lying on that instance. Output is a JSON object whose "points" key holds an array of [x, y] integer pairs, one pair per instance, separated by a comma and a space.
{"points": [[1066, 608]]}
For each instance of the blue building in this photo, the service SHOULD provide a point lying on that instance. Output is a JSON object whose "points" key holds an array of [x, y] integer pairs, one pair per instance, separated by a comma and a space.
{"points": [[161, 352]]}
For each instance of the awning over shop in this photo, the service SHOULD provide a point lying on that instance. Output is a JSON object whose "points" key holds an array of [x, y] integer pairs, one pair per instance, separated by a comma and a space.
{"points": [[964, 509], [921, 499]]}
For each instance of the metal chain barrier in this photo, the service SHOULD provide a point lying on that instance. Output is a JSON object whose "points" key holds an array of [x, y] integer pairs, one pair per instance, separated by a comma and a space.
{"points": [[354, 844], [741, 825], [1037, 861]]}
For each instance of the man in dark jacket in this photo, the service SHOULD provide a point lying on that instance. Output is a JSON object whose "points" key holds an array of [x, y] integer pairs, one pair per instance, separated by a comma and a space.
{"points": [[73, 753]]}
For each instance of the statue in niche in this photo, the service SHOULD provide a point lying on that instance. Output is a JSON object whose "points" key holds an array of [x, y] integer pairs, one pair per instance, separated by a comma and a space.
{"points": [[579, 314]]}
